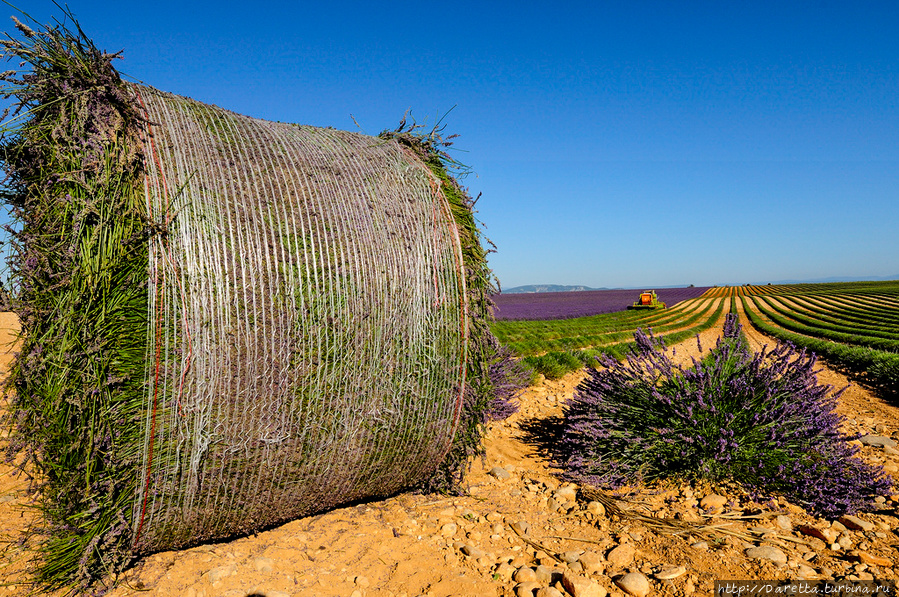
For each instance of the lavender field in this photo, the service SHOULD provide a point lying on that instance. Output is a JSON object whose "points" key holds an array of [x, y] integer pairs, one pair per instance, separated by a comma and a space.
{"points": [[564, 305]]}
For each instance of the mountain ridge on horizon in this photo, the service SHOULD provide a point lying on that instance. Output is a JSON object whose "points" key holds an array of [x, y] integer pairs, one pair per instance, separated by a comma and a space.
{"points": [[534, 288]]}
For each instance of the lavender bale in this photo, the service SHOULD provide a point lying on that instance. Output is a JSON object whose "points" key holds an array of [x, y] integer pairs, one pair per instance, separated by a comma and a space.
{"points": [[309, 313], [227, 323]]}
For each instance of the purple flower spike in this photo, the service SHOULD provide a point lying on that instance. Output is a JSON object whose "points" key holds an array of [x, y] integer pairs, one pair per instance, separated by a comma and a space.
{"points": [[761, 420]]}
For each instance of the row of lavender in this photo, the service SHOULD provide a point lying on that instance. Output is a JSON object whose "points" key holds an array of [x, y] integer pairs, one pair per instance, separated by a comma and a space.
{"points": [[564, 305]]}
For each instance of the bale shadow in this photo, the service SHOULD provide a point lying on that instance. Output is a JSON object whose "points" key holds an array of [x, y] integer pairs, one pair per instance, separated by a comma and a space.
{"points": [[544, 435]]}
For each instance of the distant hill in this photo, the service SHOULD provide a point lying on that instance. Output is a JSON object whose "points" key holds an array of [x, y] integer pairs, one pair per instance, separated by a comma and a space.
{"points": [[546, 288], [839, 279]]}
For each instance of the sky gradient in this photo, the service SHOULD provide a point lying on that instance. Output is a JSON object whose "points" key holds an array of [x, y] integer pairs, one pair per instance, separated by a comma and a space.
{"points": [[616, 144]]}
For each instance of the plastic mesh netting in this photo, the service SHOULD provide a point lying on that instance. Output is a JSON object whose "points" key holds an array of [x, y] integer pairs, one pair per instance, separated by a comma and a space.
{"points": [[307, 328]]}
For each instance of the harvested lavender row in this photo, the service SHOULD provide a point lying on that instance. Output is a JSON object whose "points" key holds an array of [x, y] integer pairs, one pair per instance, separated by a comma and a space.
{"points": [[228, 323], [565, 305]]}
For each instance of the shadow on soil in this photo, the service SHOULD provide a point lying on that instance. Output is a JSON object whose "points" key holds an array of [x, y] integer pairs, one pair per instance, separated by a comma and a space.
{"points": [[543, 435]]}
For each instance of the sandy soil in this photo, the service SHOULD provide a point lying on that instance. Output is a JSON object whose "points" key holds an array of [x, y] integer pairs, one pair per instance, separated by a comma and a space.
{"points": [[519, 531]]}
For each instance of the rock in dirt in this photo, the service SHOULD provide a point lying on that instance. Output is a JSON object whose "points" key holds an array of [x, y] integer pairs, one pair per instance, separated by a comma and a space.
{"points": [[713, 502], [596, 508], [877, 440], [767, 552], [525, 574], [504, 571], [578, 586], [221, 572], [544, 574], [500, 473], [592, 562], [621, 556], [264, 565], [855, 523], [670, 572], [634, 583], [783, 522], [571, 556], [526, 589], [549, 592], [811, 531], [473, 552], [565, 494], [522, 526], [870, 559]]}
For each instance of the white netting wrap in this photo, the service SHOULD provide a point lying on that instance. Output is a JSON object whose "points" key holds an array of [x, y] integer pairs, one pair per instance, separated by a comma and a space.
{"points": [[307, 328]]}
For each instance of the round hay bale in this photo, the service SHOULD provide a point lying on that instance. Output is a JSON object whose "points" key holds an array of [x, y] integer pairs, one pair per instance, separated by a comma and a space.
{"points": [[307, 321], [228, 323]]}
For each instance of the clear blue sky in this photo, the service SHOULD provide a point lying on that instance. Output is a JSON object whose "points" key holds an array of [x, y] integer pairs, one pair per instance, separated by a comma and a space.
{"points": [[615, 143]]}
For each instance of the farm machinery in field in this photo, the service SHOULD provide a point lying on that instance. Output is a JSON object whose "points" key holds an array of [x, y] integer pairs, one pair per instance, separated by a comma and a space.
{"points": [[648, 300]]}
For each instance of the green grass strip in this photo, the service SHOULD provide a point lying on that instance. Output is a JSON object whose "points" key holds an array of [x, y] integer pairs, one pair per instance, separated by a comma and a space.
{"points": [[876, 367], [787, 322]]}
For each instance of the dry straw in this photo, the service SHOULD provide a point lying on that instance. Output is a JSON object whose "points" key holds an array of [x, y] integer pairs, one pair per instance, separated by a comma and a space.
{"points": [[227, 323]]}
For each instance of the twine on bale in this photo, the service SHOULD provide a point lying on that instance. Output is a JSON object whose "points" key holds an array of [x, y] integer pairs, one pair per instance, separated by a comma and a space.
{"points": [[227, 323], [299, 251]]}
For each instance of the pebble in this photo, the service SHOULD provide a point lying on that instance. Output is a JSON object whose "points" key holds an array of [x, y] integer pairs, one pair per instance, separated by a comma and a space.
{"points": [[784, 522], [596, 509], [526, 589], [592, 562], [570, 557], [217, 574], [544, 574], [877, 440], [472, 551], [855, 523], [565, 494], [811, 531], [621, 556], [870, 559], [634, 583], [449, 529], [713, 502], [504, 571], [703, 545], [767, 552], [500, 473], [264, 565], [522, 526], [804, 572], [670, 572], [525, 574], [549, 592], [578, 586]]}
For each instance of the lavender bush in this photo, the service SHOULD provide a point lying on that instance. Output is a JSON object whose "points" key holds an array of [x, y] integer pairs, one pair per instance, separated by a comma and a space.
{"points": [[761, 420]]}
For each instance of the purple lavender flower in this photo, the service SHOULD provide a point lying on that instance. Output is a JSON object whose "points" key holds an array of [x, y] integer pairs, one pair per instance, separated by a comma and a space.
{"points": [[565, 305], [758, 419]]}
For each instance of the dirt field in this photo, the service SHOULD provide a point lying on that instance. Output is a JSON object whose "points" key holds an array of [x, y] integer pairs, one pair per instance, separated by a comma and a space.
{"points": [[519, 532]]}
